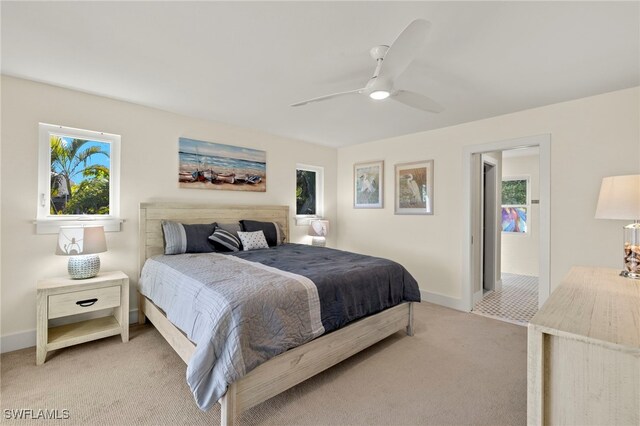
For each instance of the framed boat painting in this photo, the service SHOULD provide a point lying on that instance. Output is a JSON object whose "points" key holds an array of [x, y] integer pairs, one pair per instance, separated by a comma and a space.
{"points": [[414, 188], [368, 185], [208, 165]]}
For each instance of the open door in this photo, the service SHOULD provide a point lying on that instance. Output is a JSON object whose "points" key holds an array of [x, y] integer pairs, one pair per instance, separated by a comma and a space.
{"points": [[490, 236], [485, 269]]}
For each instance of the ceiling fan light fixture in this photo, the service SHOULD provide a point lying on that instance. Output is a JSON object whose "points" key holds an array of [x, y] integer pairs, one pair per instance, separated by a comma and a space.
{"points": [[379, 95], [391, 62]]}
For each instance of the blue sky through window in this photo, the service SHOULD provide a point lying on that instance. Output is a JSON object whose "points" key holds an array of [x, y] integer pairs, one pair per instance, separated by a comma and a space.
{"points": [[98, 159]]}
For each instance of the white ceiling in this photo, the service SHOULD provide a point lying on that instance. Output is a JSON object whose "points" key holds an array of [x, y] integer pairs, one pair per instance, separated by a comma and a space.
{"points": [[244, 63]]}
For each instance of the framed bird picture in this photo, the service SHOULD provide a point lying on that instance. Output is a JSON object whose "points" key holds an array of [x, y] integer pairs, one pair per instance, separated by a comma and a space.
{"points": [[414, 188], [368, 179]]}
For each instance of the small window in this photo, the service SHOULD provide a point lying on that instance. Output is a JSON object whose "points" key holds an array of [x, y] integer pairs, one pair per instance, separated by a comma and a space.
{"points": [[515, 204], [78, 177], [309, 187]]}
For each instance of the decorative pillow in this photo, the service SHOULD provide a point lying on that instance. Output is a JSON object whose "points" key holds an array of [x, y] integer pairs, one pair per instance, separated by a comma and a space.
{"points": [[253, 240], [271, 230], [225, 240], [180, 238]]}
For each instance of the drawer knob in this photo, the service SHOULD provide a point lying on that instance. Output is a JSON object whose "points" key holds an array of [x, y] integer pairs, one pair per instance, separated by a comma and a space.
{"points": [[85, 303]]}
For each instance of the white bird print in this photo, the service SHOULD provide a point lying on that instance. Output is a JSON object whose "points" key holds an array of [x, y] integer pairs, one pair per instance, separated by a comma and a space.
{"points": [[415, 189], [368, 185]]}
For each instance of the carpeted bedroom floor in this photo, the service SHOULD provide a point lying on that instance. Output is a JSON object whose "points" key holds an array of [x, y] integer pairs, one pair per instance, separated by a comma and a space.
{"points": [[458, 369]]}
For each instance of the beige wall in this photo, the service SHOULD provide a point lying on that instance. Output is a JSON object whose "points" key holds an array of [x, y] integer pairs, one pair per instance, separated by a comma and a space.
{"points": [[148, 172], [520, 252], [590, 138]]}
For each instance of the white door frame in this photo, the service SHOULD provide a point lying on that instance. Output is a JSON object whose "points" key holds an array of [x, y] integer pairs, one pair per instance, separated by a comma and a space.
{"points": [[544, 144]]}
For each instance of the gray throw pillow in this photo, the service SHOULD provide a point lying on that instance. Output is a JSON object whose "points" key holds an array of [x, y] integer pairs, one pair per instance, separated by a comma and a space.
{"points": [[182, 238]]}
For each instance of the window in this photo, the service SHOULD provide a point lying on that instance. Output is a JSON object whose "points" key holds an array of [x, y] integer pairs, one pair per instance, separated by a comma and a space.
{"points": [[78, 178], [515, 203], [309, 191]]}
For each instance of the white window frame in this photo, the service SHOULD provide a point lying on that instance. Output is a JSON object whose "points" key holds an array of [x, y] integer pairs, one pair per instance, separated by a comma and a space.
{"points": [[46, 223], [305, 219], [527, 205]]}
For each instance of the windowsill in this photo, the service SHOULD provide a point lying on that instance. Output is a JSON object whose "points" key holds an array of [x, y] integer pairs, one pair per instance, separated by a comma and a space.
{"points": [[52, 226], [306, 220]]}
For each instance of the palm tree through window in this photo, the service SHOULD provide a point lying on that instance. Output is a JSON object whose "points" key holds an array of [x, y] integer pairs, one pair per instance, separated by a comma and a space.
{"points": [[80, 176]]}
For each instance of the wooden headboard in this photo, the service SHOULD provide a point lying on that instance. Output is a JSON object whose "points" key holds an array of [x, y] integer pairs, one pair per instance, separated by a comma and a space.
{"points": [[151, 215]]}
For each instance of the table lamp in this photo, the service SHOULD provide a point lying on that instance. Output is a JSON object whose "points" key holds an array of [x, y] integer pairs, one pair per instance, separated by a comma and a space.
{"points": [[82, 244], [620, 199], [319, 229]]}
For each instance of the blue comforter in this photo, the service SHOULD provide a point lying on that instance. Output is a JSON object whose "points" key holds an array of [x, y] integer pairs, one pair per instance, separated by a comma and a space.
{"points": [[350, 285], [245, 308]]}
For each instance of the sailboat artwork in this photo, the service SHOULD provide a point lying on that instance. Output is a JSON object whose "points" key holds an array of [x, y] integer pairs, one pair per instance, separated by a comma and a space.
{"points": [[209, 165]]}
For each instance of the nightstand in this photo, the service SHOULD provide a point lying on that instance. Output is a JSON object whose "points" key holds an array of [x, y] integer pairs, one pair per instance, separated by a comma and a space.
{"points": [[63, 297]]}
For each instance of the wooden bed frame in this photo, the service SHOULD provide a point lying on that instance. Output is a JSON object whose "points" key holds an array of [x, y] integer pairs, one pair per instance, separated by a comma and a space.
{"points": [[287, 369]]}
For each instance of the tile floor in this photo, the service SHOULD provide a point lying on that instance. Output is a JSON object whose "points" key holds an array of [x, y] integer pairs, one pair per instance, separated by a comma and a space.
{"points": [[517, 302]]}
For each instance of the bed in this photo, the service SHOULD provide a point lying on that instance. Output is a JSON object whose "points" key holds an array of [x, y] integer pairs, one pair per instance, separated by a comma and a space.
{"points": [[288, 368]]}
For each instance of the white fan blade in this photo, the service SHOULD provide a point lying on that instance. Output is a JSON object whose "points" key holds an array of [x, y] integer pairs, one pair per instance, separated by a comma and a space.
{"points": [[322, 98], [404, 49], [417, 100]]}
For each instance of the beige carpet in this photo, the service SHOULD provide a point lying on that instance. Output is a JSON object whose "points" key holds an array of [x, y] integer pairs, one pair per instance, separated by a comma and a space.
{"points": [[458, 369]]}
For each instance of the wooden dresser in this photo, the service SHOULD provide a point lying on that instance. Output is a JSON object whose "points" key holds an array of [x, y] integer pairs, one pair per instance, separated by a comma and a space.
{"points": [[584, 352]]}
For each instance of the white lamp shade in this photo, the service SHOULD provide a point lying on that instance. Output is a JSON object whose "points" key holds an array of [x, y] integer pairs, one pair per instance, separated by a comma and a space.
{"points": [[319, 228], [79, 240], [619, 198]]}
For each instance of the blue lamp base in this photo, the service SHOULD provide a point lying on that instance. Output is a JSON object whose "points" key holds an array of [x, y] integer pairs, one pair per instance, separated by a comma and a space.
{"points": [[83, 267]]}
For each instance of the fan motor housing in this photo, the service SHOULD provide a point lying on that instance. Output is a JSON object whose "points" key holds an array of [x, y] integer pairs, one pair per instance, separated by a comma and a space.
{"points": [[378, 52]]}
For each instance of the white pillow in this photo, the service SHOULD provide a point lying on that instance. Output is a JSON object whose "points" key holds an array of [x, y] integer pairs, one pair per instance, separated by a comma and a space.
{"points": [[253, 240]]}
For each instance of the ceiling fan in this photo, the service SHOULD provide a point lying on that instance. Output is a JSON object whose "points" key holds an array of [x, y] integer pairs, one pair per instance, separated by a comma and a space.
{"points": [[391, 62]]}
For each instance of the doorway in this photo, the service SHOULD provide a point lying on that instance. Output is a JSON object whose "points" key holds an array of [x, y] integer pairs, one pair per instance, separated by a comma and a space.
{"points": [[490, 245], [483, 221], [510, 218]]}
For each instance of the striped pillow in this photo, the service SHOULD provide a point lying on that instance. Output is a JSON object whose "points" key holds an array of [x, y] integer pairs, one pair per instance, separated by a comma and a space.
{"points": [[180, 238], [225, 239]]}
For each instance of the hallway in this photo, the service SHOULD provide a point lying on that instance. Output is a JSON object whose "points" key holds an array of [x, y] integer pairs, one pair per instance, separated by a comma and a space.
{"points": [[516, 303]]}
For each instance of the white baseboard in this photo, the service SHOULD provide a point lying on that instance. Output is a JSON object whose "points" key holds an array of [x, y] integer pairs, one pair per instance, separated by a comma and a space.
{"points": [[26, 339], [20, 340], [441, 299]]}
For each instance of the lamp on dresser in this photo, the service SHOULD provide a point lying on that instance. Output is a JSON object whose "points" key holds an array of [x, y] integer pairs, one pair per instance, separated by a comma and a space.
{"points": [[620, 199], [319, 229], [82, 244]]}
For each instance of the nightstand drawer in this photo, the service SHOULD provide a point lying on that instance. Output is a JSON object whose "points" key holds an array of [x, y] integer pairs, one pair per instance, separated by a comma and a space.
{"points": [[78, 302]]}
